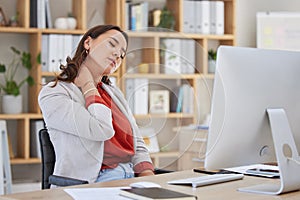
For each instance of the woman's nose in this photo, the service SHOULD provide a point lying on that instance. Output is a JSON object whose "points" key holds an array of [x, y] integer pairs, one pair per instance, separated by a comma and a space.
{"points": [[116, 54]]}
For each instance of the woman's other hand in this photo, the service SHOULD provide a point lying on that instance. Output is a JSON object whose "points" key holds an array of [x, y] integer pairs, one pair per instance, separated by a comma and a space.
{"points": [[147, 172]]}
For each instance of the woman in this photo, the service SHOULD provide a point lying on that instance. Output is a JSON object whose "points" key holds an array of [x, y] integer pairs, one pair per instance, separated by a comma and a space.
{"points": [[93, 132]]}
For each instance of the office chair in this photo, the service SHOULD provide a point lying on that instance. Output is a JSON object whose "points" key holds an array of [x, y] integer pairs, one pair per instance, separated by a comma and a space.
{"points": [[48, 162]]}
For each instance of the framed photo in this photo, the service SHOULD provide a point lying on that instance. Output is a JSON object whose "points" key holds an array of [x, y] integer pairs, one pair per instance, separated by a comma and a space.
{"points": [[159, 101], [3, 21]]}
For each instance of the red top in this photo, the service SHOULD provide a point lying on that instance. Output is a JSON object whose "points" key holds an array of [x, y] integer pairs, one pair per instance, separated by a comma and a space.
{"points": [[120, 148]]}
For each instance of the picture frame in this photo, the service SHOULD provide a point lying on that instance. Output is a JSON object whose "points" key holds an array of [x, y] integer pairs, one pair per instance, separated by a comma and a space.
{"points": [[159, 101], [3, 21]]}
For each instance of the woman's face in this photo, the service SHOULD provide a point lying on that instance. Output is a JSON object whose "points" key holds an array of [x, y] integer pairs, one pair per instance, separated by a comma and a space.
{"points": [[105, 52]]}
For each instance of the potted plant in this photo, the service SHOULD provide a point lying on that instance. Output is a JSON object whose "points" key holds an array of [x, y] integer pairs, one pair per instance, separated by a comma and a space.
{"points": [[14, 20], [11, 87], [167, 20], [212, 57]]}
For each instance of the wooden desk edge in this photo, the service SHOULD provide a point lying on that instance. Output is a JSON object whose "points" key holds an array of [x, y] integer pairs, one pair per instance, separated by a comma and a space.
{"points": [[217, 191]]}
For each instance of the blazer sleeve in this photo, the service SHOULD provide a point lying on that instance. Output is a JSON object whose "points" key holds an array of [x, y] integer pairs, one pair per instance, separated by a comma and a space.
{"points": [[62, 110]]}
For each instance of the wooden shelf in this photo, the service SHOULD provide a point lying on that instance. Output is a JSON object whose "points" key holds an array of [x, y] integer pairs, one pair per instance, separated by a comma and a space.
{"points": [[52, 74], [49, 74], [15, 161], [162, 76], [166, 115], [40, 31], [61, 31], [21, 116], [149, 34], [18, 30]]}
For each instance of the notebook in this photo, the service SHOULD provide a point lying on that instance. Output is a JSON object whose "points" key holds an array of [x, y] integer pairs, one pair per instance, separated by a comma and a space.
{"points": [[155, 194]]}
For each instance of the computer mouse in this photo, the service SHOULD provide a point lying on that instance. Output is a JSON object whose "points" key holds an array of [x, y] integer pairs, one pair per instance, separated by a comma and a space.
{"points": [[144, 184]]}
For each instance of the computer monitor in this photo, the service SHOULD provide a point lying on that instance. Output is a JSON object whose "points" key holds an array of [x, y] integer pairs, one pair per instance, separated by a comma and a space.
{"points": [[247, 82]]}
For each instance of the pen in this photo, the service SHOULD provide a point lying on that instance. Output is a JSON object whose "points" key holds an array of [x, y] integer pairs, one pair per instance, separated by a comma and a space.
{"points": [[265, 170]]}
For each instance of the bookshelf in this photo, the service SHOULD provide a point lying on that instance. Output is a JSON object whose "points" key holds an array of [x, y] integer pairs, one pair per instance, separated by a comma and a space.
{"points": [[115, 14], [150, 44]]}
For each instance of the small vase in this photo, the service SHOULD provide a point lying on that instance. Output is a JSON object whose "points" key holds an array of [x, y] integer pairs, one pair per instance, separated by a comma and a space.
{"points": [[61, 23], [12, 104], [211, 66], [72, 22]]}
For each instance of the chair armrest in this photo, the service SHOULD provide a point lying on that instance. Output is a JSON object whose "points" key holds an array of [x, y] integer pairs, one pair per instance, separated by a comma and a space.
{"points": [[161, 171], [65, 181]]}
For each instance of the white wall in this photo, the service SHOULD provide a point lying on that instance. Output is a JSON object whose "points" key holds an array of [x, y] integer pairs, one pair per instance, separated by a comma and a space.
{"points": [[246, 16]]}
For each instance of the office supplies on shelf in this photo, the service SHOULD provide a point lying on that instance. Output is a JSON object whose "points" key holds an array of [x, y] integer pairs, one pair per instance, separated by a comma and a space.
{"points": [[207, 180]]}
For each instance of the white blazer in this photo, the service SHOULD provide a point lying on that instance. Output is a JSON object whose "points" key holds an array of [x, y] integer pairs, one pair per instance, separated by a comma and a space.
{"points": [[78, 133]]}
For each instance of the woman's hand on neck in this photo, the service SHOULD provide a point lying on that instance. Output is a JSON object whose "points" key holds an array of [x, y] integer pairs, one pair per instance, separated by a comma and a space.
{"points": [[94, 68], [86, 82], [84, 76]]}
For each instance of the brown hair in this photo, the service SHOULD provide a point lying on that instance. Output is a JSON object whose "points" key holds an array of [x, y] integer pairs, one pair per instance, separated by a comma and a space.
{"points": [[70, 70]]}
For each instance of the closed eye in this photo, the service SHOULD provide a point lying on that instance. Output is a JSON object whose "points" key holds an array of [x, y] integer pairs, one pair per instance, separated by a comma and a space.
{"points": [[112, 44]]}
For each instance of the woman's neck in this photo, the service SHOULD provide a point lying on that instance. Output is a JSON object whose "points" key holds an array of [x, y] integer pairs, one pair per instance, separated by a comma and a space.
{"points": [[88, 63]]}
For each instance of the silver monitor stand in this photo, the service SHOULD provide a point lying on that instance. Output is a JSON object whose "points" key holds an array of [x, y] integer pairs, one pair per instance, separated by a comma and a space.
{"points": [[286, 154]]}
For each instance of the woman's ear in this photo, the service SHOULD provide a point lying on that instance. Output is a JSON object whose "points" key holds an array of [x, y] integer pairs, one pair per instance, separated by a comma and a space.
{"points": [[86, 43]]}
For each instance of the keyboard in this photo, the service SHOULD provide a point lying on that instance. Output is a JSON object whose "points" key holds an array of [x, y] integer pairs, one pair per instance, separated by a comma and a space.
{"points": [[207, 179]]}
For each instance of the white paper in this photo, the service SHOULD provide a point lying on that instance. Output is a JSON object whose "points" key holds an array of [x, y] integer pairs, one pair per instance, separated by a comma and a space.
{"points": [[110, 193], [243, 169]]}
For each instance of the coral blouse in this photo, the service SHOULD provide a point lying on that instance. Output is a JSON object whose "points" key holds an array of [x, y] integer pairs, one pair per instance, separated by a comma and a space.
{"points": [[120, 148]]}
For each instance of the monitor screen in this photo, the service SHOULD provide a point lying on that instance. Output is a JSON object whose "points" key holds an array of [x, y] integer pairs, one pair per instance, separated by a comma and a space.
{"points": [[247, 82]]}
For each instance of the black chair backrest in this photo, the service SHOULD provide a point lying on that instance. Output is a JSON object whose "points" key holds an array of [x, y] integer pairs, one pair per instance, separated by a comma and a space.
{"points": [[48, 157], [48, 162]]}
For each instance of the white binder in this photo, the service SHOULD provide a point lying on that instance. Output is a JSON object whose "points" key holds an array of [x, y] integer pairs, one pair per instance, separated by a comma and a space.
{"points": [[189, 21], [52, 52], [68, 43], [172, 57], [44, 53], [141, 88], [217, 17], [202, 15], [188, 56], [130, 93]]}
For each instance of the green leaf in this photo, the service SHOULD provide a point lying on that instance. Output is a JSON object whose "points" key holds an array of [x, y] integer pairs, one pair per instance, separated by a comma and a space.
{"points": [[16, 51], [26, 60], [30, 81], [171, 57], [38, 59], [212, 55], [12, 88], [2, 68]]}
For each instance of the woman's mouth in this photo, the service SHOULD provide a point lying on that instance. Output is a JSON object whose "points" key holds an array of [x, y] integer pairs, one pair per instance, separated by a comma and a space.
{"points": [[113, 62]]}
